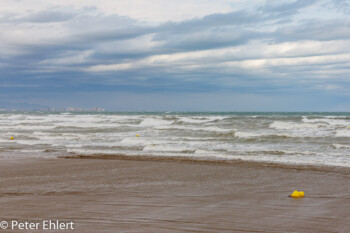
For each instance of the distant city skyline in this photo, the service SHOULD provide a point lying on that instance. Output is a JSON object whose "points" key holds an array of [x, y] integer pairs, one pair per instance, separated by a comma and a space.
{"points": [[54, 109], [193, 55]]}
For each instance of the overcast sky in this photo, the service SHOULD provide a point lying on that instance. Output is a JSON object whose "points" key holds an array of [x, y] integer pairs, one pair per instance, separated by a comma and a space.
{"points": [[189, 55]]}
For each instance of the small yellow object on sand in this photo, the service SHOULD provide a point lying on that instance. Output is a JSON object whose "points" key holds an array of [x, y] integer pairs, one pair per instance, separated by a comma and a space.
{"points": [[11, 138], [297, 194], [137, 135]]}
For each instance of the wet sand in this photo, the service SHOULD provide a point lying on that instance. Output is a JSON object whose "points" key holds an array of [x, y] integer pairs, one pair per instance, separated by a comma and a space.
{"points": [[101, 195]]}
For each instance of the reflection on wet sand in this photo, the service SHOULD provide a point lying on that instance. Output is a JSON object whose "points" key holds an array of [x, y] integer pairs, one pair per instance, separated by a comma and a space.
{"points": [[174, 196]]}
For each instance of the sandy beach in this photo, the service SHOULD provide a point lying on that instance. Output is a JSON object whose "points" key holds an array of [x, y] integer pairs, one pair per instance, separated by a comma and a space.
{"points": [[102, 195]]}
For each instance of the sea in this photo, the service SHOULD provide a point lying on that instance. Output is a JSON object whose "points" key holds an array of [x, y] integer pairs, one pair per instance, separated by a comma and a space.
{"points": [[275, 137]]}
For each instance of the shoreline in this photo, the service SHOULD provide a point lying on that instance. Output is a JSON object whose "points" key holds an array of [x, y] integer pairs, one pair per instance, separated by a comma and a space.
{"points": [[213, 161], [101, 195]]}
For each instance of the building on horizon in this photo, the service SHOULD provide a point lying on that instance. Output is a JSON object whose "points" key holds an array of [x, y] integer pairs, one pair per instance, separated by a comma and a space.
{"points": [[98, 109]]}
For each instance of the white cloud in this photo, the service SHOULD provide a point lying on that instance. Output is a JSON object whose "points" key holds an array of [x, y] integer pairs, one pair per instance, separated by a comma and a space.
{"points": [[114, 67], [294, 61], [69, 58], [254, 55], [149, 11]]}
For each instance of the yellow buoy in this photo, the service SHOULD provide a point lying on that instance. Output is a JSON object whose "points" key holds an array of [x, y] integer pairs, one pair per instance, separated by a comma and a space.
{"points": [[297, 194], [137, 135], [11, 138]]}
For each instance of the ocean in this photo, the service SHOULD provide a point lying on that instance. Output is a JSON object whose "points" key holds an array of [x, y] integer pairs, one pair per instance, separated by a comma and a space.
{"points": [[283, 138]]}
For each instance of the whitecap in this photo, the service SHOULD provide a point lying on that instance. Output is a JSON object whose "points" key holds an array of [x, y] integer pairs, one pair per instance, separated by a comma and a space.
{"points": [[154, 122], [328, 121], [164, 148], [293, 125], [342, 133], [340, 146], [246, 134]]}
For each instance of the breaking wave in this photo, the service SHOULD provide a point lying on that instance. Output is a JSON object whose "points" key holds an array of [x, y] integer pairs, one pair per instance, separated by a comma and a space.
{"points": [[277, 138]]}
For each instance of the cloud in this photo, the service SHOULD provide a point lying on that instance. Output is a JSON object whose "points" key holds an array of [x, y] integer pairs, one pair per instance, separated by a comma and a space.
{"points": [[47, 16], [266, 47], [338, 29], [339, 5], [285, 8]]}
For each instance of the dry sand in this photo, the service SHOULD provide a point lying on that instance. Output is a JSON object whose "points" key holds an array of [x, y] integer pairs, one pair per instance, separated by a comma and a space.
{"points": [[168, 196]]}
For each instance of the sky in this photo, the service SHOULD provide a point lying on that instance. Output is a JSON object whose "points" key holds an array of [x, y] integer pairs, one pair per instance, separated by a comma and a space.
{"points": [[184, 55]]}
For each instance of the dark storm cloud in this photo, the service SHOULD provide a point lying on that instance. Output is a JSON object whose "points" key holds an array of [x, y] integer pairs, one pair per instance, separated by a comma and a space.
{"points": [[215, 20], [90, 38], [185, 36], [337, 29], [50, 15], [285, 9], [209, 32]]}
